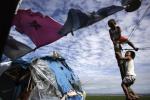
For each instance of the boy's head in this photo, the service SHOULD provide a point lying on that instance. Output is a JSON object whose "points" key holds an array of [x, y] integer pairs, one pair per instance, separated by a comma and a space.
{"points": [[130, 53], [111, 23]]}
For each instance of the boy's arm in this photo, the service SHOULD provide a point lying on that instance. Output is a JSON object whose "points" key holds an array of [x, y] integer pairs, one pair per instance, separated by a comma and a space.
{"points": [[122, 58], [119, 31], [110, 34], [111, 37]]}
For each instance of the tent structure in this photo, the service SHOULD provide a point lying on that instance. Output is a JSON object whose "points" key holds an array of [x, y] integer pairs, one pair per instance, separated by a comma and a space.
{"points": [[46, 78]]}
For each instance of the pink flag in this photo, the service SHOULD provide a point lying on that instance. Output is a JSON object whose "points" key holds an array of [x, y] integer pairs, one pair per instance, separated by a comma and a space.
{"points": [[41, 29]]}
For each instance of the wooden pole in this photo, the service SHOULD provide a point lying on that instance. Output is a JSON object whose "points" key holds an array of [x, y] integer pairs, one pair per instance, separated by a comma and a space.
{"points": [[121, 63]]}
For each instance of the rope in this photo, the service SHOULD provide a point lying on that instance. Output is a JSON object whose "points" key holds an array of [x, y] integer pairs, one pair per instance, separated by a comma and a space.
{"points": [[145, 48], [136, 26]]}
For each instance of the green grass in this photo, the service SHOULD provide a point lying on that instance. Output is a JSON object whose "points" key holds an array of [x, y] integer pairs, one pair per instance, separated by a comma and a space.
{"points": [[113, 98]]}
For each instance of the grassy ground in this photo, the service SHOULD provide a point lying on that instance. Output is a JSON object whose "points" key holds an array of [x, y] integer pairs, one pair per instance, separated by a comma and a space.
{"points": [[113, 98]]}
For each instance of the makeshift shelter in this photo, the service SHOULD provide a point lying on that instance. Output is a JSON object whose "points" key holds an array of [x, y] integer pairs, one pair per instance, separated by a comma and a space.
{"points": [[54, 77], [46, 78]]}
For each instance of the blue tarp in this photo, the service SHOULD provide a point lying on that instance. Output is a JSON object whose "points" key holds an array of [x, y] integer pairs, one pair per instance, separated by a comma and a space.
{"points": [[62, 76], [78, 97]]}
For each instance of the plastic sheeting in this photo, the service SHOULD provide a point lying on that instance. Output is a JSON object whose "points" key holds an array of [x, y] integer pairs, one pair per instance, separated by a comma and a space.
{"points": [[61, 77], [45, 81], [4, 66], [54, 80]]}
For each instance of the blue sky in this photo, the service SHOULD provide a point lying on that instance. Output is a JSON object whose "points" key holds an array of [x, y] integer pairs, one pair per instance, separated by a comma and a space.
{"points": [[90, 52]]}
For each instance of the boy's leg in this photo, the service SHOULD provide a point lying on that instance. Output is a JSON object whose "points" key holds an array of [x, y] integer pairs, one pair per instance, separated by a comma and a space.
{"points": [[131, 44], [126, 91], [129, 80], [124, 39]]}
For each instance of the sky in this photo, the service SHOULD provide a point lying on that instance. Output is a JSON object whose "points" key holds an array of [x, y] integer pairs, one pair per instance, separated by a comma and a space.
{"points": [[90, 52]]}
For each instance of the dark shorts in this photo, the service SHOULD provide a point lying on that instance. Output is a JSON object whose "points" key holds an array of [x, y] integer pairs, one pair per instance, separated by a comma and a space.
{"points": [[128, 80]]}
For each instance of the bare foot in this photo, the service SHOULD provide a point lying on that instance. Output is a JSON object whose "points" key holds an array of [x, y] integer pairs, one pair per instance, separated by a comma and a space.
{"points": [[136, 49], [134, 96], [137, 97]]}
